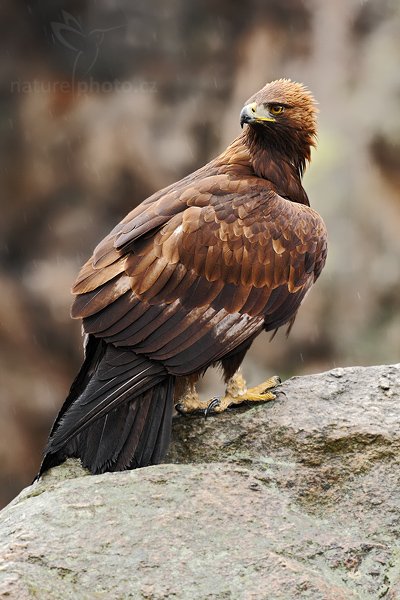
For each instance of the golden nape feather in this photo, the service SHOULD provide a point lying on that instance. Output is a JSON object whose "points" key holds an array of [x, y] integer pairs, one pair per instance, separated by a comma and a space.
{"points": [[187, 281]]}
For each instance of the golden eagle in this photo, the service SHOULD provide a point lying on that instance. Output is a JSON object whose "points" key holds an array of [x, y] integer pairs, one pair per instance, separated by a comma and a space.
{"points": [[186, 281]]}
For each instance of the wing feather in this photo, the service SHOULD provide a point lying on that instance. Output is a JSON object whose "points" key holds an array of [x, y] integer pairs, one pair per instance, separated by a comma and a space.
{"points": [[187, 278]]}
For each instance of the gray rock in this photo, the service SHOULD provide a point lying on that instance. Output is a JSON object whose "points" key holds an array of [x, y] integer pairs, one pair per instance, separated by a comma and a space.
{"points": [[297, 498]]}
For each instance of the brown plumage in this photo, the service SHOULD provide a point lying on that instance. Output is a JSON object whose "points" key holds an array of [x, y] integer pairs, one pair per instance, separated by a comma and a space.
{"points": [[188, 279]]}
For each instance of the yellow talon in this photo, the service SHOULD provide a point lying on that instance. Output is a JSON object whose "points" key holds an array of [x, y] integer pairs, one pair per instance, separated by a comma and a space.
{"points": [[236, 393]]}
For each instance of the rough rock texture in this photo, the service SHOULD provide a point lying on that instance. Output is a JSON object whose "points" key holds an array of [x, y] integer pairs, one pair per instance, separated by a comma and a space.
{"points": [[298, 498]]}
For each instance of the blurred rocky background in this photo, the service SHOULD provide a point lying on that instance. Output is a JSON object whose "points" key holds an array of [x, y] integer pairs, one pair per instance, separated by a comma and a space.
{"points": [[103, 102]]}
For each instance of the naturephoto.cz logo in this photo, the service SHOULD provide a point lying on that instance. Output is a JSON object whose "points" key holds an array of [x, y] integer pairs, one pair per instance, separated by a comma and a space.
{"points": [[83, 49]]}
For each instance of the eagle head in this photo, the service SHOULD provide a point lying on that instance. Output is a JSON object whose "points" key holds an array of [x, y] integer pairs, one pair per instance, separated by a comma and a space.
{"points": [[282, 115]]}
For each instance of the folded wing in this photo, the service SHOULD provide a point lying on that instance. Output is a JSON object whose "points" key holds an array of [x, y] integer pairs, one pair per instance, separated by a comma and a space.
{"points": [[190, 277]]}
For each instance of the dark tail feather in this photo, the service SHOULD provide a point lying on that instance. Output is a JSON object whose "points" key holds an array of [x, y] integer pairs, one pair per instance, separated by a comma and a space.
{"points": [[117, 415]]}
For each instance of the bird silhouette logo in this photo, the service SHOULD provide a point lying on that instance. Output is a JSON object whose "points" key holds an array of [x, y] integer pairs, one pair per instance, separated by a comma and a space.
{"points": [[84, 43]]}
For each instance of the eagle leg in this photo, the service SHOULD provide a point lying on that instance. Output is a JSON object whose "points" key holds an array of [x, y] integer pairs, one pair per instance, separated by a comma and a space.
{"points": [[190, 403], [237, 393]]}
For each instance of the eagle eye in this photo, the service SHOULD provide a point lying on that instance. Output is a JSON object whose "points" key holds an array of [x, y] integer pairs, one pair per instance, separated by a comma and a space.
{"points": [[276, 109]]}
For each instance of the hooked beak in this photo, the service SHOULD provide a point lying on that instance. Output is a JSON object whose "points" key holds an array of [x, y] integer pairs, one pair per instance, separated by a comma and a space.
{"points": [[250, 114]]}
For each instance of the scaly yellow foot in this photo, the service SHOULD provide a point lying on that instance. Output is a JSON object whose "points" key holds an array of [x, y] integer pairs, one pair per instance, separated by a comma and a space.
{"points": [[236, 393], [190, 402]]}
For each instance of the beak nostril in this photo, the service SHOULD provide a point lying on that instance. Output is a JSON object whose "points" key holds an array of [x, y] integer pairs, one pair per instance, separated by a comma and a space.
{"points": [[248, 114]]}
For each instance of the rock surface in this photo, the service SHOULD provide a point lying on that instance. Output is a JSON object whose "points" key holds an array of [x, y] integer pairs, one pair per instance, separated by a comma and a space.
{"points": [[298, 498]]}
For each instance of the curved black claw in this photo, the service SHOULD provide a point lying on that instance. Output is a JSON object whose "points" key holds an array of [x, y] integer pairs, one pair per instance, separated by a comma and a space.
{"points": [[210, 408], [278, 382], [179, 409]]}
